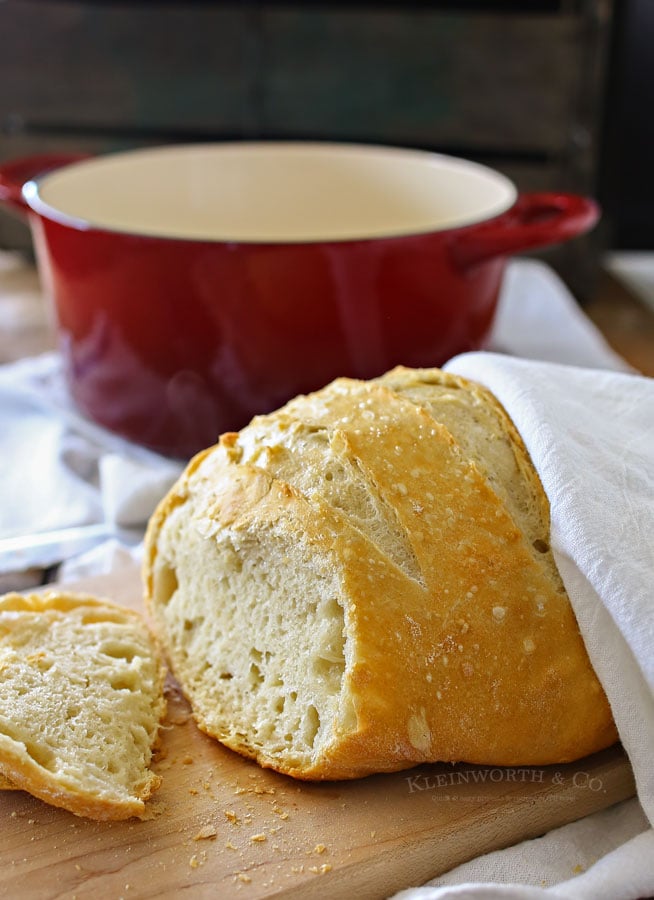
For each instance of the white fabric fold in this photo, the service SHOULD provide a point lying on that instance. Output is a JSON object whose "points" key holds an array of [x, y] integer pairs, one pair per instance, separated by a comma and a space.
{"points": [[87, 475], [563, 855], [590, 434], [538, 318], [60, 470]]}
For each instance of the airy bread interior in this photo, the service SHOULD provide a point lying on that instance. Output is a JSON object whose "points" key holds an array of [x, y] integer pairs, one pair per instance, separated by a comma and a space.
{"points": [[270, 655], [363, 580], [81, 699]]}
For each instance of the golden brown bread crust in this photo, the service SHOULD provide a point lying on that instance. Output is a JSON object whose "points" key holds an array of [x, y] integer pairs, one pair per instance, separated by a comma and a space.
{"points": [[479, 659]]}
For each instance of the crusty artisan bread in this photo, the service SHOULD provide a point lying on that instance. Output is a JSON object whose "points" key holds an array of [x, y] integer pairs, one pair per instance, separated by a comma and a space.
{"points": [[81, 698], [362, 581]]}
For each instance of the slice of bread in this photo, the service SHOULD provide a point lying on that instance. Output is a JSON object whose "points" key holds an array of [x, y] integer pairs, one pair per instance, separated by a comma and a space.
{"points": [[362, 581], [81, 700]]}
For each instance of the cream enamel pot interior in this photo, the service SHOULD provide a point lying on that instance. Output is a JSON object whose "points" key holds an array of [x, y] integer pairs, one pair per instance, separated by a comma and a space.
{"points": [[195, 286]]}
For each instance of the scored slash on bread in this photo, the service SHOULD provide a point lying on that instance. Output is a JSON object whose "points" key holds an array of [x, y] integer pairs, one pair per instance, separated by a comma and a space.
{"points": [[81, 701], [362, 581]]}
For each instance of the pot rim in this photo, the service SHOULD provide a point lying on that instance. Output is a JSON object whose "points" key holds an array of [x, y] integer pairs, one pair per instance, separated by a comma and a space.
{"points": [[507, 192]]}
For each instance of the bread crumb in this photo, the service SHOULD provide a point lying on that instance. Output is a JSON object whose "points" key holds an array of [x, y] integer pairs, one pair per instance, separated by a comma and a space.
{"points": [[231, 816], [229, 846], [206, 833], [319, 848], [320, 870], [187, 761], [258, 838], [178, 718], [194, 862], [243, 877]]}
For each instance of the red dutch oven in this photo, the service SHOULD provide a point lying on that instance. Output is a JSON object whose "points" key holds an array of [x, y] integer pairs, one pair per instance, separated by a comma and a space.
{"points": [[195, 286]]}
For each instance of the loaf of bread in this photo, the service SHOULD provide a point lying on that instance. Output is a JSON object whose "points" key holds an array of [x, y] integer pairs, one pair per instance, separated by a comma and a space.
{"points": [[81, 699], [362, 581]]}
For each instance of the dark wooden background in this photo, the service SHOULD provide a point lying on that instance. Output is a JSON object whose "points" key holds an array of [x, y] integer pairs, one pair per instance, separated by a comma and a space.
{"points": [[517, 85]]}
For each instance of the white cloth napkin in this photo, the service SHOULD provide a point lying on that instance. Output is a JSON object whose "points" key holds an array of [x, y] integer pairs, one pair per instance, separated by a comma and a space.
{"points": [[590, 434], [538, 318], [61, 470]]}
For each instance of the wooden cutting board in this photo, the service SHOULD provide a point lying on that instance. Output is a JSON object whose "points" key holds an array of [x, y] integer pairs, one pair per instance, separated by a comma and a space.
{"points": [[222, 827]]}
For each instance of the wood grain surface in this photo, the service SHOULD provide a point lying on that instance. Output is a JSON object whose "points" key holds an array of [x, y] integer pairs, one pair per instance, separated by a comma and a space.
{"points": [[222, 827]]}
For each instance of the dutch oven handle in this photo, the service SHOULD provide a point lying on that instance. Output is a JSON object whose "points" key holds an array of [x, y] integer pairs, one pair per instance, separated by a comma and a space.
{"points": [[15, 173], [535, 220]]}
